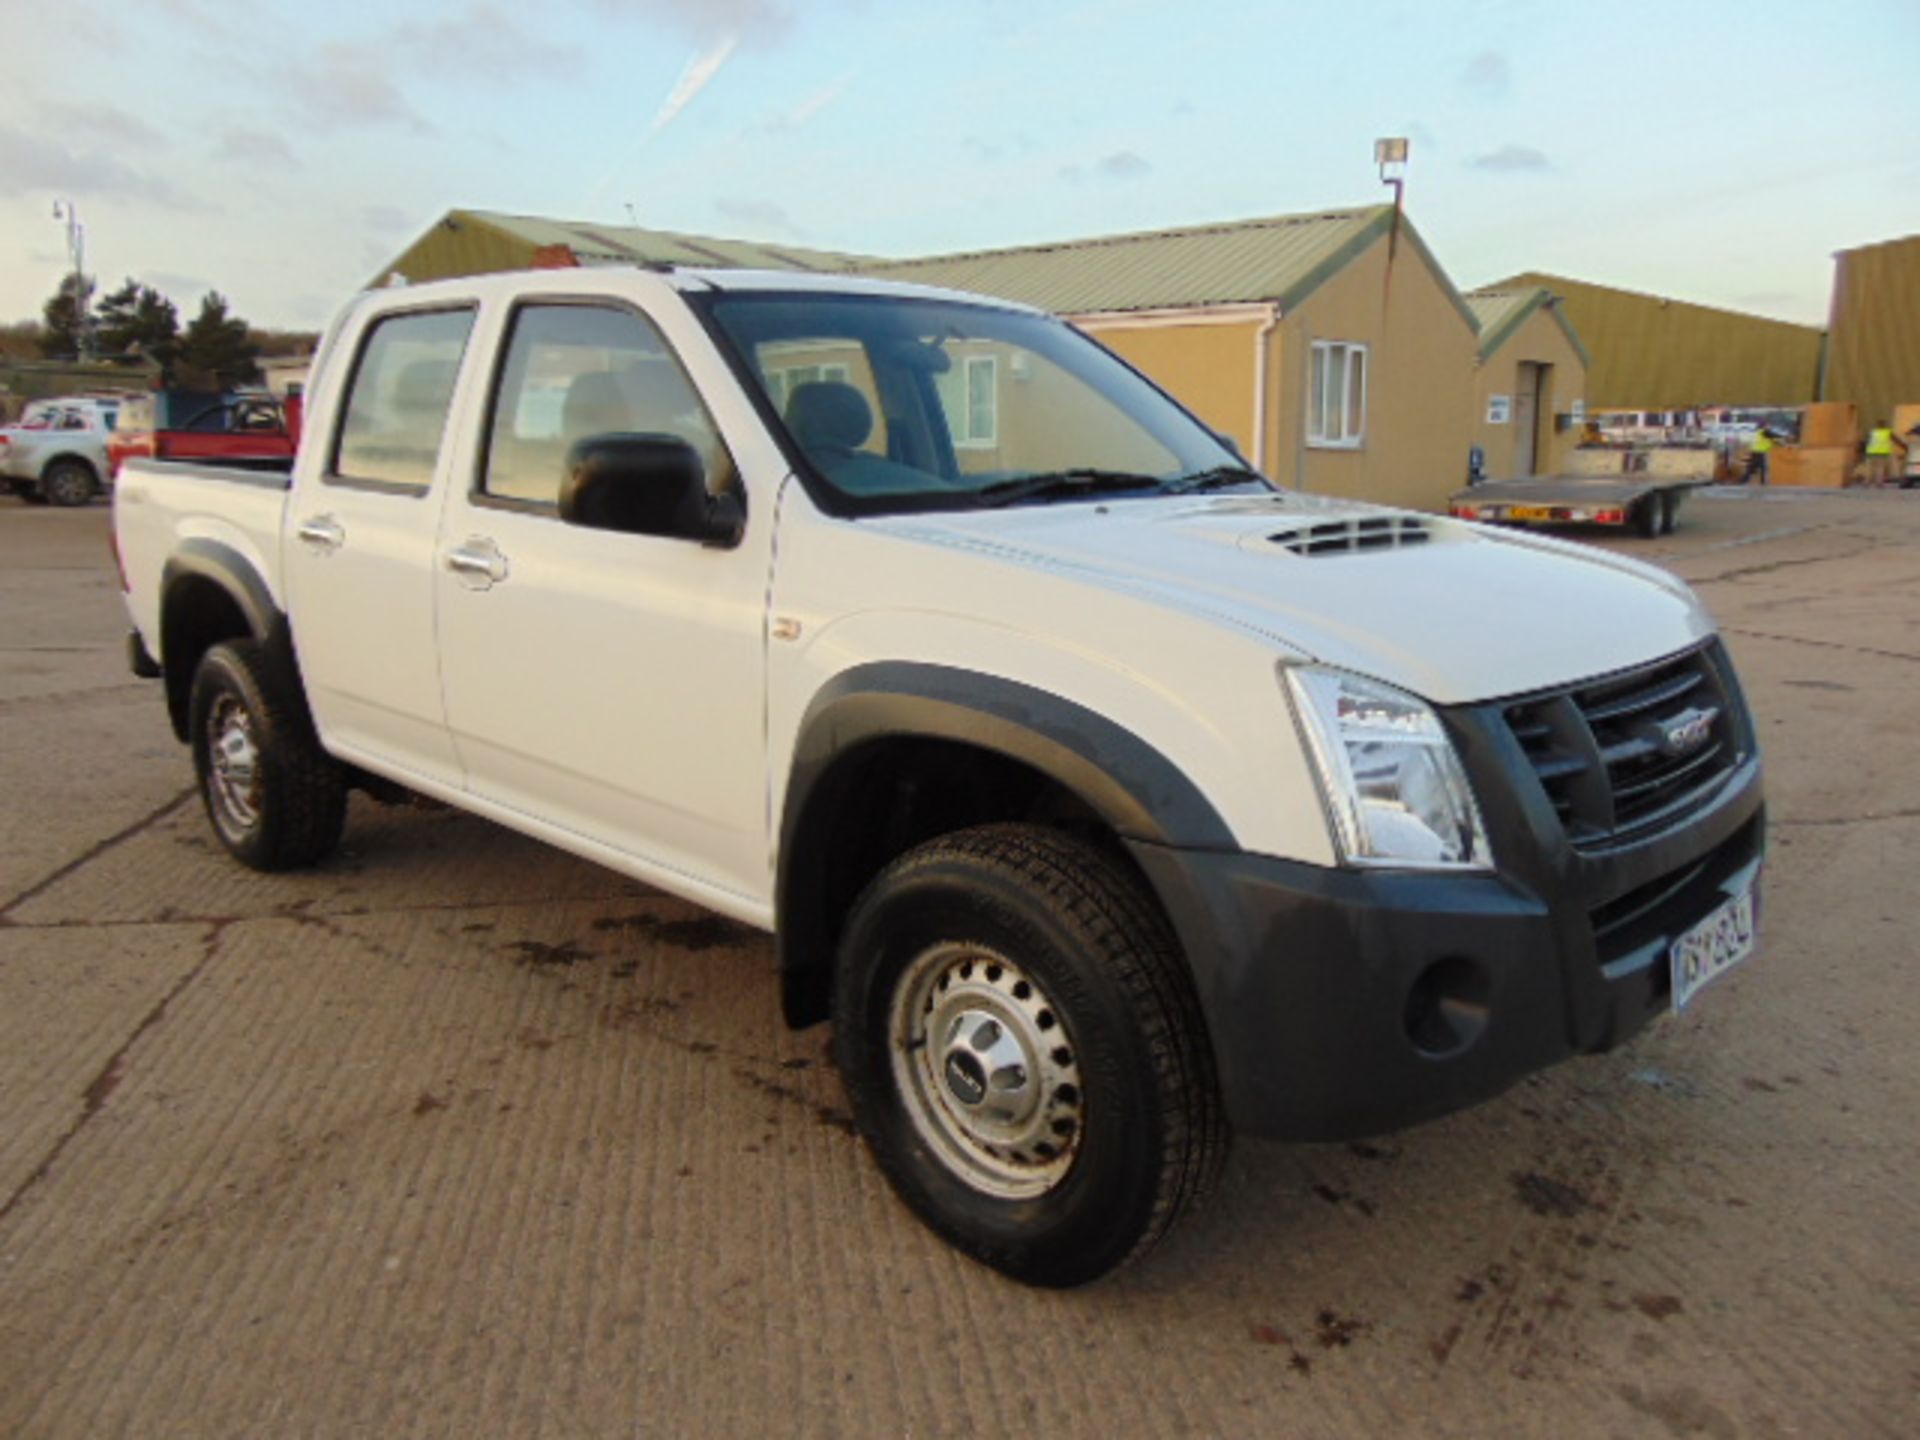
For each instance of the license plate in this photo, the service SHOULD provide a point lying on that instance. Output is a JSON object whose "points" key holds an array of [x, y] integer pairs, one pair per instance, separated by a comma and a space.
{"points": [[1531, 512], [1713, 947]]}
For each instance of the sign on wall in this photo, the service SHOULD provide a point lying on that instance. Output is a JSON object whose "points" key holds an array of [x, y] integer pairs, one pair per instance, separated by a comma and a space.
{"points": [[1499, 409]]}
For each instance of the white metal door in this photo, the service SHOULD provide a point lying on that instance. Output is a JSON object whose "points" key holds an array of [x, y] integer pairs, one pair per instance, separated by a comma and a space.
{"points": [[359, 555], [608, 684]]}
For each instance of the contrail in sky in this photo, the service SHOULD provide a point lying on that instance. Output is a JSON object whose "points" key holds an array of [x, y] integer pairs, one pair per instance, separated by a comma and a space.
{"points": [[695, 76]]}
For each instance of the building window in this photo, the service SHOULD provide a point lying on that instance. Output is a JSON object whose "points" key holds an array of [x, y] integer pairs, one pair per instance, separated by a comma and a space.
{"points": [[1337, 395], [970, 396]]}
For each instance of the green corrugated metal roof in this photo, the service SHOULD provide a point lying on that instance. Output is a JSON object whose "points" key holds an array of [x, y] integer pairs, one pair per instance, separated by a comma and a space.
{"points": [[1501, 311], [1280, 259], [631, 243]]}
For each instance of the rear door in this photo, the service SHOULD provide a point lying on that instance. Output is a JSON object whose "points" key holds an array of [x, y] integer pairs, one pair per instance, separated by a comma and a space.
{"points": [[607, 684], [359, 555]]}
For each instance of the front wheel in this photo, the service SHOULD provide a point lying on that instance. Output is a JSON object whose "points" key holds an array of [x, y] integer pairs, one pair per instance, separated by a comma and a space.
{"points": [[1025, 1054], [276, 799], [67, 482]]}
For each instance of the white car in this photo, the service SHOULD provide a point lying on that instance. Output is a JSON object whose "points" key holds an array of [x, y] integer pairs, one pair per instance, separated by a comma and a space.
{"points": [[58, 452]]}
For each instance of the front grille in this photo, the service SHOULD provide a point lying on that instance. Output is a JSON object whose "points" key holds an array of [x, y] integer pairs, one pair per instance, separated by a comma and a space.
{"points": [[1343, 537], [1623, 755]]}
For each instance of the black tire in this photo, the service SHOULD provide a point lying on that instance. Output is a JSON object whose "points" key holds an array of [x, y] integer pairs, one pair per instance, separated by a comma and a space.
{"points": [[68, 483], [1669, 511], [276, 800], [1646, 517], [1079, 979]]}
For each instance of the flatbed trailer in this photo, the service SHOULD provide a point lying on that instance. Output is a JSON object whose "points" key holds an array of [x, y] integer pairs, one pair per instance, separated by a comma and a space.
{"points": [[1649, 504]]}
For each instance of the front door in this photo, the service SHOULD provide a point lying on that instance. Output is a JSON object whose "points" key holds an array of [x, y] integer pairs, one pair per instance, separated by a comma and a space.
{"points": [[608, 684]]}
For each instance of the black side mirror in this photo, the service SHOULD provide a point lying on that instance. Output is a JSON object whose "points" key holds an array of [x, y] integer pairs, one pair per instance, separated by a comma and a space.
{"points": [[1233, 445], [646, 485]]}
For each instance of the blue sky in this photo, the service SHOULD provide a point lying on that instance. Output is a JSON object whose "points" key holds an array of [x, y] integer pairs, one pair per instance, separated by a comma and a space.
{"points": [[283, 151]]}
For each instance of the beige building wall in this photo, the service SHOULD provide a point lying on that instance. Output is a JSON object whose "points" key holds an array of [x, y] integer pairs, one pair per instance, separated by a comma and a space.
{"points": [[1420, 374], [1538, 341], [1653, 353], [1208, 367], [1874, 356]]}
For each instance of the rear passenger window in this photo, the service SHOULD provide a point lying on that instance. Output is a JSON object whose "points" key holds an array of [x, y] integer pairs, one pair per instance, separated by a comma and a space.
{"points": [[578, 370], [396, 410]]}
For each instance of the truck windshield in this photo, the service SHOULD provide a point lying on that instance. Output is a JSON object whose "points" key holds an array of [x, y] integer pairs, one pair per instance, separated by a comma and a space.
{"points": [[909, 404]]}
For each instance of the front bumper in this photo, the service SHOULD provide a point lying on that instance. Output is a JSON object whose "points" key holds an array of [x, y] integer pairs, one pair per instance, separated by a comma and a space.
{"points": [[1343, 1003]]}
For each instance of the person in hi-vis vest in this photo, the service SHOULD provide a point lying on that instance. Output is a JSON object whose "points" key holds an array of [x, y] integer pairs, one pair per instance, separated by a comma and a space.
{"points": [[1880, 443], [1757, 457]]}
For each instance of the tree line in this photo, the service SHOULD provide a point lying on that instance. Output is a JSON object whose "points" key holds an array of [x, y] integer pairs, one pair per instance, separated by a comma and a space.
{"points": [[216, 350]]}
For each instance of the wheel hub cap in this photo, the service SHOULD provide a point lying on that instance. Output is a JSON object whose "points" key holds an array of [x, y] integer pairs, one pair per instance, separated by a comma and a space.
{"points": [[234, 762], [987, 1071]]}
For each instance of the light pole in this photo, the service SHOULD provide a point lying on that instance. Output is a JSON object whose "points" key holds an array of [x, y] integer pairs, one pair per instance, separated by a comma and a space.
{"points": [[77, 252]]}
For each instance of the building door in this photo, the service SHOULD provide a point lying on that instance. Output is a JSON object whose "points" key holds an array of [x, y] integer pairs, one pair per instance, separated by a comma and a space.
{"points": [[1526, 418]]}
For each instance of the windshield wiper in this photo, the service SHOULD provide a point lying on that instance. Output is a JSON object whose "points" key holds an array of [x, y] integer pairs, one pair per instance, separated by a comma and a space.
{"points": [[1218, 478], [1056, 483]]}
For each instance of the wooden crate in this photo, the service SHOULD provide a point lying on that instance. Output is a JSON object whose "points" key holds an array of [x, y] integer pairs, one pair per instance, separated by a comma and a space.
{"points": [[1818, 466], [1829, 423]]}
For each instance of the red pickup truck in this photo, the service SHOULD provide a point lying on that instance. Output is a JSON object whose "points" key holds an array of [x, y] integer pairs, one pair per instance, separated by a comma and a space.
{"points": [[237, 428]]}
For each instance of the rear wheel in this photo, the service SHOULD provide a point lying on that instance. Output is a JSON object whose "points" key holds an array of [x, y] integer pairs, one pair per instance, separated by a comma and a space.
{"points": [[1646, 517], [1669, 511], [68, 482], [276, 799], [1020, 1038]]}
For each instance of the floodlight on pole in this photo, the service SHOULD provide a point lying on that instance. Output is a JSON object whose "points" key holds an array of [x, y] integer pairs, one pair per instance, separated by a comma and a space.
{"points": [[65, 210], [1390, 155]]}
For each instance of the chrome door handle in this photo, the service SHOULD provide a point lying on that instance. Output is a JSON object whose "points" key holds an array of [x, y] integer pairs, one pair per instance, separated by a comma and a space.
{"points": [[322, 533], [478, 563]]}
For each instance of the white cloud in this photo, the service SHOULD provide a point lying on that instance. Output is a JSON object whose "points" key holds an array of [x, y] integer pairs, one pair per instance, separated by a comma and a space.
{"points": [[482, 42], [755, 21], [39, 165], [1487, 75], [762, 215], [99, 123], [347, 86], [1512, 159], [1120, 165], [255, 149]]}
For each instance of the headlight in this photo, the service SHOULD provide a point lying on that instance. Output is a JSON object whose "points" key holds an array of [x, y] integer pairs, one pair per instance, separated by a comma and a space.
{"points": [[1393, 783]]}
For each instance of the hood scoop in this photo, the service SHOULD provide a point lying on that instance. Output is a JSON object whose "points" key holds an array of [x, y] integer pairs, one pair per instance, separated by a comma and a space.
{"points": [[1347, 537]]}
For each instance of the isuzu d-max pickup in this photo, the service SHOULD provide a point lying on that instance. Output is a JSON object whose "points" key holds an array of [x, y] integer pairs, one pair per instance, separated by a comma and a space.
{"points": [[1106, 797]]}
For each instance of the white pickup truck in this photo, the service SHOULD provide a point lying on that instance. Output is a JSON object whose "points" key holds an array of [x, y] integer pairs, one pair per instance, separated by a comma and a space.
{"points": [[1105, 796]]}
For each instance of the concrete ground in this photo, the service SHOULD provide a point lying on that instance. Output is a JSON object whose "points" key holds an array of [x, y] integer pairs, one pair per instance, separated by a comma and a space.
{"points": [[460, 1136]]}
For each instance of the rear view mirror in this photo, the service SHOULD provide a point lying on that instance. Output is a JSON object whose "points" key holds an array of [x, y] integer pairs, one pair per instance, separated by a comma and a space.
{"points": [[646, 485]]}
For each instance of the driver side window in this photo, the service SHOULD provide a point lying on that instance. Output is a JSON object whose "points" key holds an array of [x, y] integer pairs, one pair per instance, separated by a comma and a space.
{"points": [[574, 371]]}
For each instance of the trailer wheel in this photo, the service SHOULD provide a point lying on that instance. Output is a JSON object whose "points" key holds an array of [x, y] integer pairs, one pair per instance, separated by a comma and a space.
{"points": [[1669, 511], [1647, 517], [1019, 1036]]}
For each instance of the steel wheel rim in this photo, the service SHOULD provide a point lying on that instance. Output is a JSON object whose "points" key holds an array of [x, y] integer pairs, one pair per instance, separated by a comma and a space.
{"points": [[233, 767], [987, 1072]]}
